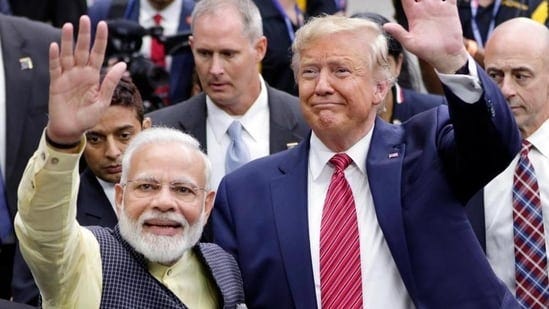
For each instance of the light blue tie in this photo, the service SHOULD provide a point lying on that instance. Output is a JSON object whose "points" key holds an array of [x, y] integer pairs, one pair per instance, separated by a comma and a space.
{"points": [[5, 218], [237, 153]]}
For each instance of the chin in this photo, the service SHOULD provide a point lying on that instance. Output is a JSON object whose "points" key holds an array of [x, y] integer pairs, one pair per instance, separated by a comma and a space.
{"points": [[162, 249]]}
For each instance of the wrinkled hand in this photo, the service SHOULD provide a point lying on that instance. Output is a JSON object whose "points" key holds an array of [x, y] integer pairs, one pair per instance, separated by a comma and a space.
{"points": [[434, 33], [77, 100]]}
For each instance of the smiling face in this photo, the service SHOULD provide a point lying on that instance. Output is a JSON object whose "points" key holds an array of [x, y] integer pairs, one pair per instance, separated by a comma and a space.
{"points": [[520, 67], [338, 91], [162, 223], [226, 60], [107, 141]]}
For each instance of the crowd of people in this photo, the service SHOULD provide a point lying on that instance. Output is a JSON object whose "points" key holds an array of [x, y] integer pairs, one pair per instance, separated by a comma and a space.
{"points": [[277, 155]]}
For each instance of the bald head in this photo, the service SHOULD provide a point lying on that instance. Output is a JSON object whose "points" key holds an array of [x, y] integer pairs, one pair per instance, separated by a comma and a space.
{"points": [[516, 59]]}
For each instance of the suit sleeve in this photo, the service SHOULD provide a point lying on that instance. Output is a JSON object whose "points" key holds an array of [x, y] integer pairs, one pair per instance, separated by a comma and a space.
{"points": [[482, 140]]}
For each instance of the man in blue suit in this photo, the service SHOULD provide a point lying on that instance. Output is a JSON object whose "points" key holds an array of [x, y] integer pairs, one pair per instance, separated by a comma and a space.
{"points": [[409, 182], [142, 11]]}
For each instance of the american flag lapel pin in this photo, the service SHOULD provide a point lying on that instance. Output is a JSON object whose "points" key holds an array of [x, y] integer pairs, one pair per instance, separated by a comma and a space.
{"points": [[26, 63]]}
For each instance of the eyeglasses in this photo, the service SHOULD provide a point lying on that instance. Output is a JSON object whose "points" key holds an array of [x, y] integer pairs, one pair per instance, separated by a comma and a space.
{"points": [[147, 188]]}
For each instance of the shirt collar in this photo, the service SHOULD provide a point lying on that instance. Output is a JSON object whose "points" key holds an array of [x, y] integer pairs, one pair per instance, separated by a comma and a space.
{"points": [[220, 121], [539, 139], [320, 154]]}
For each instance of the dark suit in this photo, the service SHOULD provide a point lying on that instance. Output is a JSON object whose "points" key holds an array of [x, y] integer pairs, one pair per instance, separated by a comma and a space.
{"points": [[420, 174], [26, 108], [92, 208], [475, 212], [412, 103], [286, 123]]}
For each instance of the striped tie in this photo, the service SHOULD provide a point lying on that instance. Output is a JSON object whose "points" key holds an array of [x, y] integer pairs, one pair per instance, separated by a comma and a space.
{"points": [[530, 253], [340, 276]]}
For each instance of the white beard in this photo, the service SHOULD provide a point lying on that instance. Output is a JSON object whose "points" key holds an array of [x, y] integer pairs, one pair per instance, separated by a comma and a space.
{"points": [[160, 249]]}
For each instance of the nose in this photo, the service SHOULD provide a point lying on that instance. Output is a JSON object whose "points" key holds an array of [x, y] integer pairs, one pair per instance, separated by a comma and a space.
{"points": [[508, 87], [216, 67], [323, 86], [113, 149], [164, 200]]}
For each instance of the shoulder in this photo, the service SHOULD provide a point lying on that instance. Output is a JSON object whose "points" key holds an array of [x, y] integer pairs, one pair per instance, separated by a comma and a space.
{"points": [[35, 29], [174, 113]]}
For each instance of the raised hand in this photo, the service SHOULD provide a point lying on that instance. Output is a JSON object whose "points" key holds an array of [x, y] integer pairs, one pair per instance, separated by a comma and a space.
{"points": [[77, 100], [434, 33]]}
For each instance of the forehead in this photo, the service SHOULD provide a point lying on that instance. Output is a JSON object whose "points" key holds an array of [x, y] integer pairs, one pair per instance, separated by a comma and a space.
{"points": [[115, 117], [343, 46], [167, 160], [228, 26]]}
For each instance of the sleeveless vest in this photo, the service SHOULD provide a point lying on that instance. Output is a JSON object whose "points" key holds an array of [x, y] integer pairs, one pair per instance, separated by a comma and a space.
{"points": [[127, 282]]}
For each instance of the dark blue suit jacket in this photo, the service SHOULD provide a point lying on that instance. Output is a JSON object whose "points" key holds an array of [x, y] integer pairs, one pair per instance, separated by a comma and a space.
{"points": [[260, 213], [93, 208]]}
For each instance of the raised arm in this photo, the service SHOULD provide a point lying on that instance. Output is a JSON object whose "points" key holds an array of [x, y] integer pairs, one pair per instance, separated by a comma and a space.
{"points": [[434, 33], [77, 98]]}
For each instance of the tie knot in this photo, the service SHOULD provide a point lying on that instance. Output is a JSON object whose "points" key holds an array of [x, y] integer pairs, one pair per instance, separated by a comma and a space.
{"points": [[235, 129], [340, 161], [157, 19], [526, 146]]}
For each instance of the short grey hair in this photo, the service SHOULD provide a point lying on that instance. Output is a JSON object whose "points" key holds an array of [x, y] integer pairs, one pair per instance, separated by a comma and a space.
{"points": [[375, 49], [251, 18], [162, 135]]}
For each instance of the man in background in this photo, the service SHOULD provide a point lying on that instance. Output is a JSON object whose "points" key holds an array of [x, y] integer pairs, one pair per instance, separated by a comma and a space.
{"points": [[511, 214], [23, 114]]}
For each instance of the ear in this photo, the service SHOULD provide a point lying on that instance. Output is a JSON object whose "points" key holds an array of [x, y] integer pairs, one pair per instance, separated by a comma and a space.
{"points": [[261, 48], [380, 91], [147, 123], [191, 41], [118, 197], [209, 202]]}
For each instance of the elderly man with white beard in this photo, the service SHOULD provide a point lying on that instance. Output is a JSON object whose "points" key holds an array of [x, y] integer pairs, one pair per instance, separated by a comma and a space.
{"points": [[152, 259]]}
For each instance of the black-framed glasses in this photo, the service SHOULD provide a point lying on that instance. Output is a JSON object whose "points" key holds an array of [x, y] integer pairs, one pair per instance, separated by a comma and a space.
{"points": [[147, 188]]}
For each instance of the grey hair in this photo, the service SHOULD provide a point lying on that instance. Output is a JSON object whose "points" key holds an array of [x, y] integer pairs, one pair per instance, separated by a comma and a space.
{"points": [[162, 135], [251, 18], [376, 49]]}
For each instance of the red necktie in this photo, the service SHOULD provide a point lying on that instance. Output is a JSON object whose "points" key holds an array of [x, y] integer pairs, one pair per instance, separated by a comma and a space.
{"points": [[530, 252], [340, 274], [158, 55]]}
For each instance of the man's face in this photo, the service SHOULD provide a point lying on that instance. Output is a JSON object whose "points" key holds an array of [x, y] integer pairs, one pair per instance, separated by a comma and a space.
{"points": [[520, 68], [163, 207], [226, 61], [107, 141], [337, 91]]}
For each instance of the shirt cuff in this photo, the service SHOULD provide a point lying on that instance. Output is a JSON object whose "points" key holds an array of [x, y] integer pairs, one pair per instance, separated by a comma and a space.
{"points": [[466, 87]]}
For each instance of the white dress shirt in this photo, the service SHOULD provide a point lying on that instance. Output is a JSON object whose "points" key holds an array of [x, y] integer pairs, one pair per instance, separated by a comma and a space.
{"points": [[108, 189], [381, 281], [255, 123], [498, 207]]}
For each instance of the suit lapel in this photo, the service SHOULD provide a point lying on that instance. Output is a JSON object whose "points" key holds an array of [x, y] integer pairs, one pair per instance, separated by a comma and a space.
{"points": [[94, 208], [281, 124], [17, 90], [193, 120], [289, 195], [384, 169]]}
